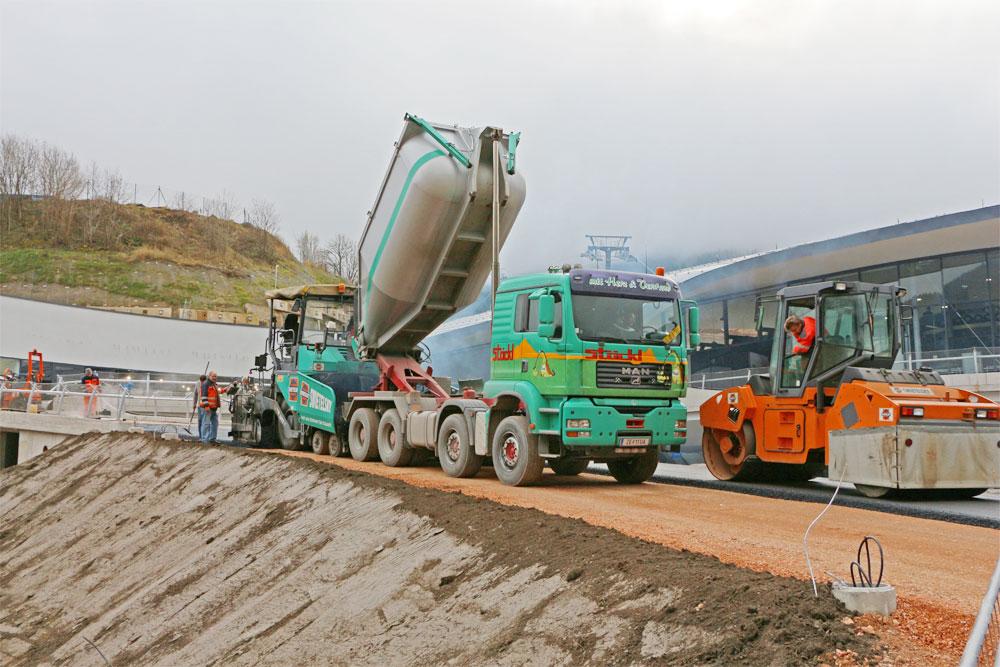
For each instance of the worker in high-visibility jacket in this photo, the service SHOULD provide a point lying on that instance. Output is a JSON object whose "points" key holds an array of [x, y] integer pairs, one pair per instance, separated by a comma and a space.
{"points": [[92, 387], [209, 400], [804, 330]]}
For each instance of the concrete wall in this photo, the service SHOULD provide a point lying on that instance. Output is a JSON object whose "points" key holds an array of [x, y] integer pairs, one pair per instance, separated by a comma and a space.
{"points": [[91, 337], [35, 432]]}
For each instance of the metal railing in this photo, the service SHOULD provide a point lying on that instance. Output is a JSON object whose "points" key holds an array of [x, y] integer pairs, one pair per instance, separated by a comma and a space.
{"points": [[983, 647], [952, 362], [725, 379], [98, 402]]}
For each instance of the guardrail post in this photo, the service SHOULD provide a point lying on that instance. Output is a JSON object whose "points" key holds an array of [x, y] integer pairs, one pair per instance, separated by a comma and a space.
{"points": [[983, 638], [975, 360]]}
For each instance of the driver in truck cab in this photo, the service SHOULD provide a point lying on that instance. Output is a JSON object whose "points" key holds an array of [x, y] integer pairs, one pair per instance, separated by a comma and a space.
{"points": [[804, 330]]}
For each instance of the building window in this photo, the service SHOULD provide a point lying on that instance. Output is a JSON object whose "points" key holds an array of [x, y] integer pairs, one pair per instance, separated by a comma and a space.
{"points": [[924, 291], [881, 275]]}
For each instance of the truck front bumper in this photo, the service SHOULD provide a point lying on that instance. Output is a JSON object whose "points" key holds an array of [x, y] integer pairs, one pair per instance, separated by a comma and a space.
{"points": [[621, 425]]}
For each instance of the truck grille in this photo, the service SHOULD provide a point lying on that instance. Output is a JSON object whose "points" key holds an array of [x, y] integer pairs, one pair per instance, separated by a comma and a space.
{"points": [[614, 375]]}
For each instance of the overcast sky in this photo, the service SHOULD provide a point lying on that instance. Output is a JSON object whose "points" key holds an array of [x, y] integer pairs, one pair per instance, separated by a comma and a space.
{"points": [[689, 125]]}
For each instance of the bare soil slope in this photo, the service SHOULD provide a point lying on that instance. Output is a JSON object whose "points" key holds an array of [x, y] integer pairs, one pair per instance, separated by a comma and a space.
{"points": [[180, 554]]}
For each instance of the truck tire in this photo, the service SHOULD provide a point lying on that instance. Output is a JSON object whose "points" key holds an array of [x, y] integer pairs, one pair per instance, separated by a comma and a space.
{"points": [[635, 470], [362, 434], [515, 453], [392, 445], [320, 441], [335, 446], [570, 467], [294, 444], [253, 440], [455, 449]]}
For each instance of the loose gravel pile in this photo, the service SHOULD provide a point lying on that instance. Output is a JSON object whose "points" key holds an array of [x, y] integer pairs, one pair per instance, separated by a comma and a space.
{"points": [[181, 554]]}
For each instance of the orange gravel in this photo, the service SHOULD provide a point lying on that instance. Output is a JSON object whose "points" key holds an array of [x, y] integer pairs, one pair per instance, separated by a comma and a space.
{"points": [[940, 570]]}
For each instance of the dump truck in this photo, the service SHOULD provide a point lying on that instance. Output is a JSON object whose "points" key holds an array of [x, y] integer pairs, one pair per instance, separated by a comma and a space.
{"points": [[837, 407], [586, 365]]}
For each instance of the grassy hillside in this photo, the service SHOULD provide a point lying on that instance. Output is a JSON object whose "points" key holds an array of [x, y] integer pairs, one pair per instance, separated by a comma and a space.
{"points": [[112, 254]]}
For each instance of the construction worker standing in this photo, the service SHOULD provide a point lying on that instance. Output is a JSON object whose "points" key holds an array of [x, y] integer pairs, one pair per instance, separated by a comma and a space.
{"points": [[197, 403], [210, 401], [91, 385]]}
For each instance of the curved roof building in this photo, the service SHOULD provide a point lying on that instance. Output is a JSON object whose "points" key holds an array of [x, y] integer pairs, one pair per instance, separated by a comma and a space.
{"points": [[949, 265]]}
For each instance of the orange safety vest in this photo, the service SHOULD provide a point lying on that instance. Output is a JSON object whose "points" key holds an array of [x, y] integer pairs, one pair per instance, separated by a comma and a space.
{"points": [[805, 341], [91, 381], [209, 395]]}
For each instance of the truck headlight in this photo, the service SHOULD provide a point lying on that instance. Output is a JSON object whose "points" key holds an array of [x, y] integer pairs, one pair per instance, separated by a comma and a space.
{"points": [[681, 423], [577, 423]]}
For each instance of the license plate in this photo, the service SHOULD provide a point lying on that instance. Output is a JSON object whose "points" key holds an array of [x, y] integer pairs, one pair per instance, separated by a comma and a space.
{"points": [[633, 442]]}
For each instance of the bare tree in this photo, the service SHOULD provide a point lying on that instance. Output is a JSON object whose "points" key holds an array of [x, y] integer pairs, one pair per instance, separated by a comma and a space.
{"points": [[61, 182], [113, 188], [263, 217], [59, 175], [184, 201], [18, 175], [309, 249], [342, 258], [223, 207]]}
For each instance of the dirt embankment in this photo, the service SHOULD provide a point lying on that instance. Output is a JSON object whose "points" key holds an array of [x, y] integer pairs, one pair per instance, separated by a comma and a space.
{"points": [[179, 554]]}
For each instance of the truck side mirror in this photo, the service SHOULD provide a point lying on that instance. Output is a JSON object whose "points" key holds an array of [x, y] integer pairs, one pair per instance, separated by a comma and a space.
{"points": [[906, 313], [694, 338], [546, 309], [546, 316]]}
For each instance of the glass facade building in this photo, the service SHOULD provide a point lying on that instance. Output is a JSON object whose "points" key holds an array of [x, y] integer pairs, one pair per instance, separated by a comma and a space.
{"points": [[955, 298]]}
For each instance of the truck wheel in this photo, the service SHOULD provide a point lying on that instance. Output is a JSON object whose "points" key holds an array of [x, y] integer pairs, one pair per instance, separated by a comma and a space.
{"points": [[253, 440], [361, 434], [570, 467], [319, 441], [635, 470], [335, 446], [294, 444], [392, 445], [515, 453], [455, 450]]}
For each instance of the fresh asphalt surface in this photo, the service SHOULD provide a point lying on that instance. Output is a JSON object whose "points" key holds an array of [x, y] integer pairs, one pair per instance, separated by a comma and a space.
{"points": [[983, 510]]}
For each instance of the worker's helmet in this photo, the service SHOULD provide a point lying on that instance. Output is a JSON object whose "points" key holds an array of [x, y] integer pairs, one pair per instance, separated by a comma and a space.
{"points": [[89, 371]]}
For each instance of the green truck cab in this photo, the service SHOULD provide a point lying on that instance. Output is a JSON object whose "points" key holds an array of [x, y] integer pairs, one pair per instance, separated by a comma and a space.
{"points": [[587, 365]]}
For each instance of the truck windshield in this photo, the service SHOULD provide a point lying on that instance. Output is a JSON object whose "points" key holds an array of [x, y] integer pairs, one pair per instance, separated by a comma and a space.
{"points": [[319, 317], [626, 320]]}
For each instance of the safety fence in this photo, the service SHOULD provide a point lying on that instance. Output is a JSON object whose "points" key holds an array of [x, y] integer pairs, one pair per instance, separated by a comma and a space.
{"points": [[115, 397], [105, 401], [983, 647]]}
